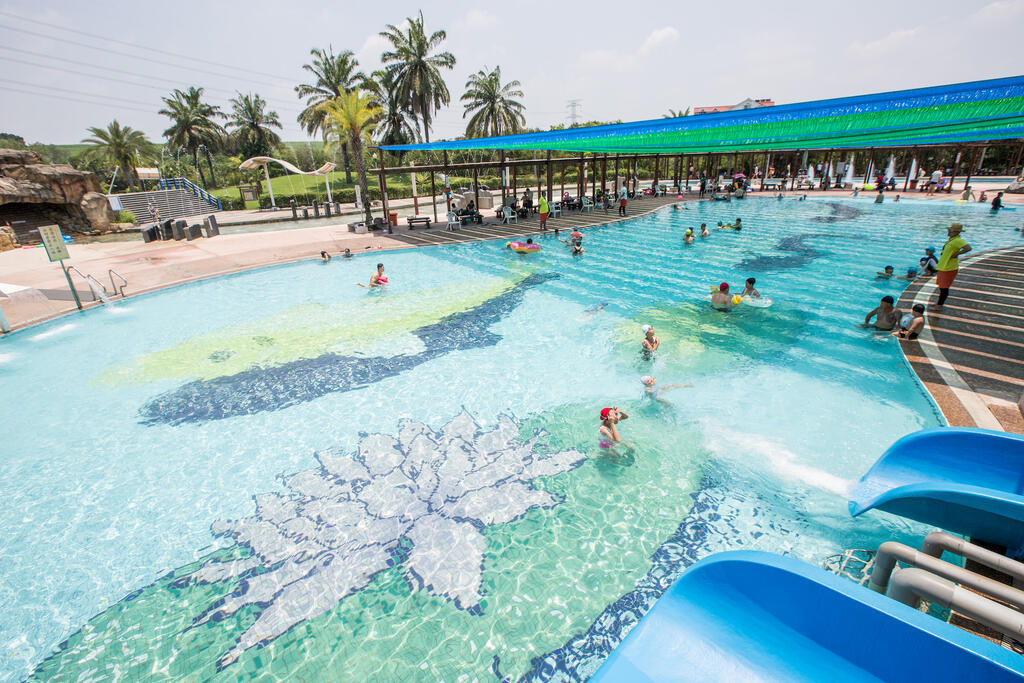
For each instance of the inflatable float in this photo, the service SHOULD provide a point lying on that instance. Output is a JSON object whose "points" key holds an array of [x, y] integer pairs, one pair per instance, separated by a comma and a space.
{"points": [[523, 247], [757, 616], [964, 480]]}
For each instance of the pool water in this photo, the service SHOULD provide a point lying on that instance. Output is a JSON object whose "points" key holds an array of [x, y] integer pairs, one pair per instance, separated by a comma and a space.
{"points": [[282, 474]]}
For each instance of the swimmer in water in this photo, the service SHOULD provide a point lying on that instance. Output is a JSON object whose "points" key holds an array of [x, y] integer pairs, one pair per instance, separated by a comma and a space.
{"points": [[885, 314], [737, 225], [911, 274], [650, 342], [722, 299], [688, 236], [884, 274], [914, 326], [348, 253], [324, 256], [594, 310], [577, 248], [378, 279], [654, 392], [749, 290], [704, 230], [609, 432]]}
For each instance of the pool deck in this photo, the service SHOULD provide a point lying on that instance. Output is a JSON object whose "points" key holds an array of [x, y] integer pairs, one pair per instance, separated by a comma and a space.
{"points": [[970, 356], [33, 290]]}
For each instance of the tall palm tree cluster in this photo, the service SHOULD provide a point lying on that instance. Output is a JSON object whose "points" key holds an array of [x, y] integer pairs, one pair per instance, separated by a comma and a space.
{"points": [[349, 109]]}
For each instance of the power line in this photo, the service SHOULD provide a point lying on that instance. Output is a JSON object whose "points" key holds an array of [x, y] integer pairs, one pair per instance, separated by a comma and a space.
{"points": [[107, 39], [129, 55], [73, 99], [121, 80], [73, 92]]}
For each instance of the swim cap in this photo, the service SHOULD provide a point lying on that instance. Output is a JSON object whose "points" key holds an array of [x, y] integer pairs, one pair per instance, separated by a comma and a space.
{"points": [[930, 249], [604, 413], [645, 328], [724, 287], [647, 380], [887, 268]]}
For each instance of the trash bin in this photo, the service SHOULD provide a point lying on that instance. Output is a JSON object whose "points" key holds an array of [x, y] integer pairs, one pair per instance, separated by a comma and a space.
{"points": [[394, 218]]}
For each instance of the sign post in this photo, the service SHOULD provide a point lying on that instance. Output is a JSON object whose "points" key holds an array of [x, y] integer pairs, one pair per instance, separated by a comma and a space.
{"points": [[57, 250]]}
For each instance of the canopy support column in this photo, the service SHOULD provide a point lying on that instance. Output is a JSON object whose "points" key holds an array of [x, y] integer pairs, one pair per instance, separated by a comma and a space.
{"points": [[604, 174], [655, 171], [593, 177], [476, 190], [970, 168], [433, 195], [501, 174], [549, 176], [383, 189], [515, 183], [868, 165], [615, 180], [956, 167], [1016, 161], [687, 176], [447, 182], [561, 192]]}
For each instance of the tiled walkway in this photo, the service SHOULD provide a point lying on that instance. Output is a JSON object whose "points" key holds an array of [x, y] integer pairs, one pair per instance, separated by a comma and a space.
{"points": [[971, 355]]}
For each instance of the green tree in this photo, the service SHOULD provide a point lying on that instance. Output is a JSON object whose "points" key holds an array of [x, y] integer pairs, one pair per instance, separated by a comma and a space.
{"points": [[673, 114], [335, 75], [394, 127], [193, 125], [352, 117], [493, 105], [416, 69], [118, 146], [251, 124]]}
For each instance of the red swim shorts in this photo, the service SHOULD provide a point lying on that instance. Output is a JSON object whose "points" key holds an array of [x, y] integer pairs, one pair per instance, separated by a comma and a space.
{"points": [[944, 278], [622, 202]]}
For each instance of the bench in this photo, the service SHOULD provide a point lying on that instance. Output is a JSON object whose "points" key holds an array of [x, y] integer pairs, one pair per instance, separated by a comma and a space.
{"points": [[773, 184], [413, 220]]}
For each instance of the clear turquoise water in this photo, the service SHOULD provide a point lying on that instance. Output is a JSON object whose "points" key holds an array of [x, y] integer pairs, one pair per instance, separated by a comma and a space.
{"points": [[787, 406]]}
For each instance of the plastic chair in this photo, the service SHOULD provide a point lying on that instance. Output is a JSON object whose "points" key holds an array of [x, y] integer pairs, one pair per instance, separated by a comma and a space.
{"points": [[586, 204], [555, 209], [453, 221], [509, 215]]}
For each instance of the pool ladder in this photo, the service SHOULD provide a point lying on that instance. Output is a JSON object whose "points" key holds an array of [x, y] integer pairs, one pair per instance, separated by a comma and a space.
{"points": [[97, 288]]}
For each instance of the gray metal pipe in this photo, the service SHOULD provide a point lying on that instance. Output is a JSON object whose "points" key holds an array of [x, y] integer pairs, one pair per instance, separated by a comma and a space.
{"points": [[911, 585], [937, 541], [890, 552]]}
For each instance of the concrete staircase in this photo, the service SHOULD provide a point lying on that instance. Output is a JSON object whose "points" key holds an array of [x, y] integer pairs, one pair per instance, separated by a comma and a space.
{"points": [[179, 199]]}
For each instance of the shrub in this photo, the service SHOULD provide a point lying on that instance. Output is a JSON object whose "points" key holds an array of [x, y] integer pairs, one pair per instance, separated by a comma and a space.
{"points": [[124, 217]]}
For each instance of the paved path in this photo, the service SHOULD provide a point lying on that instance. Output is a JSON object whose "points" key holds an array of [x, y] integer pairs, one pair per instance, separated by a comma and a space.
{"points": [[33, 290], [971, 355]]}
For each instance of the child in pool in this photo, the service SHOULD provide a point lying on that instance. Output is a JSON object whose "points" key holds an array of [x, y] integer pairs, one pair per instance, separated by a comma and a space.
{"points": [[688, 236], [749, 290], [654, 392], [609, 433], [704, 230], [649, 342], [911, 274], [884, 274], [913, 326]]}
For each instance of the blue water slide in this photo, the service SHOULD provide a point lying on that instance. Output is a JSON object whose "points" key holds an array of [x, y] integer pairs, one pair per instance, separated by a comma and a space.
{"points": [[969, 481], [754, 616]]}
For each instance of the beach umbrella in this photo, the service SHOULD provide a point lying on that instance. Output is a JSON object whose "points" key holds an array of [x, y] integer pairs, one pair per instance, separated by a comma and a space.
{"points": [[913, 168], [810, 171], [890, 170], [848, 178], [738, 175]]}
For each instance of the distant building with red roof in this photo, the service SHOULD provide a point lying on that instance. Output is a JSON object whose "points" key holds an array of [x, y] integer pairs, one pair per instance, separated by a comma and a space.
{"points": [[745, 104]]}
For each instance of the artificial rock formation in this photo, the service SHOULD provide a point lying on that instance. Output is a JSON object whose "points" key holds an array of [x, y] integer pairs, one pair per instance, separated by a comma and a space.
{"points": [[1016, 187], [33, 193]]}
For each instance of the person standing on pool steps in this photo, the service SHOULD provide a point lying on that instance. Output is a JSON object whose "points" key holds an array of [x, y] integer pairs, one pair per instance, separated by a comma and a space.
{"points": [[949, 263]]}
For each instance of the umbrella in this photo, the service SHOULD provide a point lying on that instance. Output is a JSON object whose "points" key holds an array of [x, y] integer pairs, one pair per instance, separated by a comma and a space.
{"points": [[738, 175]]}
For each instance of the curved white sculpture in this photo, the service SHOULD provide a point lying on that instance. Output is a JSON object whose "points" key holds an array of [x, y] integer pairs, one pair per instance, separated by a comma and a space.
{"points": [[256, 162]]}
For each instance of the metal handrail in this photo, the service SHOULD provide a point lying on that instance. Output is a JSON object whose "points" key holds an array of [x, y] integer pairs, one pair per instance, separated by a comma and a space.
{"points": [[89, 278], [124, 282]]}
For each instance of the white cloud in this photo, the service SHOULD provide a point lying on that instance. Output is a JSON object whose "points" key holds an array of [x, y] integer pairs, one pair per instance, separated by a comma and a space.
{"points": [[1000, 11], [369, 53], [658, 38], [477, 18], [894, 41]]}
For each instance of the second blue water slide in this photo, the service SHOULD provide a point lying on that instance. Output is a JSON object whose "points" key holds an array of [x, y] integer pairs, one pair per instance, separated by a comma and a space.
{"points": [[754, 616], [969, 481]]}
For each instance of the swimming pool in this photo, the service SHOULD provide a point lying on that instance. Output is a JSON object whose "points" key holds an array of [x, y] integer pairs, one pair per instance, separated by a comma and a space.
{"points": [[280, 473]]}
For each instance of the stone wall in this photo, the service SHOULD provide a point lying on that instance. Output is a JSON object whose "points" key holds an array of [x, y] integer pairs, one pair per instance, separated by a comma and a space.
{"points": [[54, 193]]}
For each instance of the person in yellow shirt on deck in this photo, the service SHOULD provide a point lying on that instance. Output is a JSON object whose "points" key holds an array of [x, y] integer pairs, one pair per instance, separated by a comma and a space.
{"points": [[949, 263], [543, 209]]}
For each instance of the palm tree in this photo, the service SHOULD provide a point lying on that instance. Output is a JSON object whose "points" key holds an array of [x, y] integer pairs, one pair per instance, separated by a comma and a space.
{"points": [[394, 127], [417, 72], [193, 126], [251, 125], [496, 112], [118, 146], [335, 75], [352, 117], [673, 114]]}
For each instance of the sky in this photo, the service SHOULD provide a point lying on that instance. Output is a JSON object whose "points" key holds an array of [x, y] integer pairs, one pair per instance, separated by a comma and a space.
{"points": [[621, 61]]}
